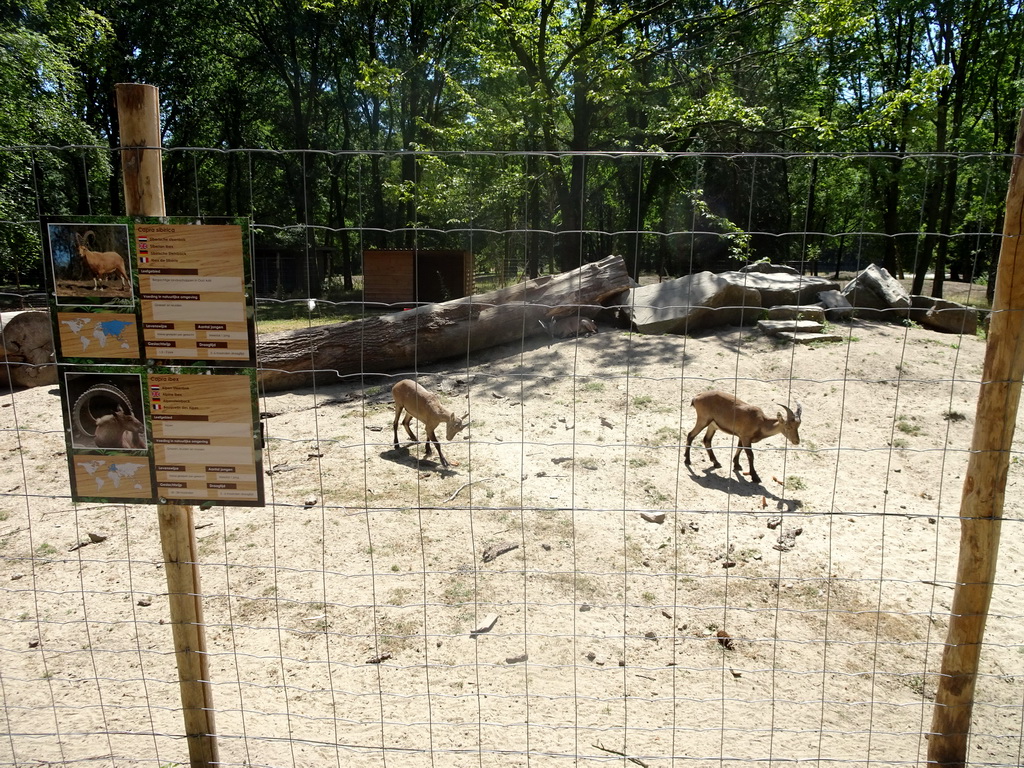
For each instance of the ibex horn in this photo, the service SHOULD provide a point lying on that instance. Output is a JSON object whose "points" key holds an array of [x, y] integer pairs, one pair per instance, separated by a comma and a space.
{"points": [[789, 414]]}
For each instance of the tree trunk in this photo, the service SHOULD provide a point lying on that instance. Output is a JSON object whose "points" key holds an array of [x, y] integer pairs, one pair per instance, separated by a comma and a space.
{"points": [[404, 340], [27, 349]]}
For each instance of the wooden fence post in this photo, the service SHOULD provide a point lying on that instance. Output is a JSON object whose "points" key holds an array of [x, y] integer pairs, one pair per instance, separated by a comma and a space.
{"points": [[138, 112], [981, 505]]}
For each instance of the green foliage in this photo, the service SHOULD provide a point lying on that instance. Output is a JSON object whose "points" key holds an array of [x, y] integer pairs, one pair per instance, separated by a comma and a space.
{"points": [[412, 84]]}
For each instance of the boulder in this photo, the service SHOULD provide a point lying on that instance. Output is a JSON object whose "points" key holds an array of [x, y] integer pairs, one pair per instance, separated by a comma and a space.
{"points": [[697, 301], [943, 315], [777, 327], [797, 312], [781, 287], [837, 306], [769, 268], [877, 295]]}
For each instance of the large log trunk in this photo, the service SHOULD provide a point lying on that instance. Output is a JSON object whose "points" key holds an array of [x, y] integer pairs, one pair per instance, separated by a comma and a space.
{"points": [[28, 349], [404, 340]]}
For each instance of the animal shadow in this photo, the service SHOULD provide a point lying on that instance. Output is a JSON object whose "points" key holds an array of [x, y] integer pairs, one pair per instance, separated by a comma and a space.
{"points": [[402, 455], [717, 480]]}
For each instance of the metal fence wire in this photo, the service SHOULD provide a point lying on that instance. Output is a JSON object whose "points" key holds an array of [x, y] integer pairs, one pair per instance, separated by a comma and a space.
{"points": [[569, 591]]}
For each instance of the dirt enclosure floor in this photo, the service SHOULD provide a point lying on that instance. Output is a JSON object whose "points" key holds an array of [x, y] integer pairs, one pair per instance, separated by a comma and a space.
{"points": [[557, 597]]}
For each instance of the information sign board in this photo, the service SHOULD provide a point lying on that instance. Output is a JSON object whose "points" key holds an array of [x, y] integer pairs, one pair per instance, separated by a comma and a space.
{"points": [[155, 349]]}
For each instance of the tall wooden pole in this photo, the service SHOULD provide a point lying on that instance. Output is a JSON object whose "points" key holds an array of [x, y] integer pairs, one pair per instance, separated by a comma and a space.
{"points": [[138, 112], [981, 506]]}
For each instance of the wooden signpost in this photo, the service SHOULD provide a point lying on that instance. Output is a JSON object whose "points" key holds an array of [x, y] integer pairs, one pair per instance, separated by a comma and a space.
{"points": [[981, 506], [138, 109]]}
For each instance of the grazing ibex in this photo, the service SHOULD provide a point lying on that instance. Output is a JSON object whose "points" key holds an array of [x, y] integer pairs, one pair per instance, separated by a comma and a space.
{"points": [[564, 327], [720, 410], [119, 430], [100, 264], [423, 405]]}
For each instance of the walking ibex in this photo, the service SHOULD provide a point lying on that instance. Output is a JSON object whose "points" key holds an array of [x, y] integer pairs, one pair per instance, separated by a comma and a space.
{"points": [[418, 403], [720, 410]]}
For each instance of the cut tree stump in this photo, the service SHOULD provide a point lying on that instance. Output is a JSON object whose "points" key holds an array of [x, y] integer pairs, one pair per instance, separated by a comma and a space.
{"points": [[28, 349], [405, 340]]}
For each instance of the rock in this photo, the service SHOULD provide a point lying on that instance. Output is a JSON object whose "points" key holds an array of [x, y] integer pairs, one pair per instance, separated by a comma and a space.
{"points": [[691, 303], [798, 312], [877, 295], [724, 639], [787, 540], [837, 306], [486, 625], [777, 327], [780, 287], [943, 315], [653, 517], [96, 537], [516, 659], [801, 337], [769, 268]]}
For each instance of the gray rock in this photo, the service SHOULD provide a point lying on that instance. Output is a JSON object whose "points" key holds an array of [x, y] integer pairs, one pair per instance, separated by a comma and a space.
{"points": [[781, 287], [777, 327], [769, 268], [943, 315], [798, 312], [698, 301], [877, 295], [837, 306]]}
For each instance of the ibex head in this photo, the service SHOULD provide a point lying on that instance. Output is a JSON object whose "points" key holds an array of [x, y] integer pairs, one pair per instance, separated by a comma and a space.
{"points": [[791, 422]]}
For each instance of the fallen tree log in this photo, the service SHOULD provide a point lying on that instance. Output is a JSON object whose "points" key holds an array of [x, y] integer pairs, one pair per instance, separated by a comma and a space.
{"points": [[28, 349], [404, 340]]}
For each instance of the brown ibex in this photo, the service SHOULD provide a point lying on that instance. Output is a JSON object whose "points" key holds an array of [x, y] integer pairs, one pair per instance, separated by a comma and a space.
{"points": [[119, 430], [720, 410], [418, 403], [100, 264]]}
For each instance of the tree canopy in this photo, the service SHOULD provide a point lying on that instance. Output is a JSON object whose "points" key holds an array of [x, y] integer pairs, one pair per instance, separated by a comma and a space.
{"points": [[537, 133]]}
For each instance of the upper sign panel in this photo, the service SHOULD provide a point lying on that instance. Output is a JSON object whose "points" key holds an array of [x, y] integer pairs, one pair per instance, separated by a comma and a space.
{"points": [[192, 293]]}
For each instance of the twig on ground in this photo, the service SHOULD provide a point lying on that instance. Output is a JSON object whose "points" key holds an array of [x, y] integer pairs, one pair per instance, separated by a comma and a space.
{"points": [[634, 760], [466, 485]]}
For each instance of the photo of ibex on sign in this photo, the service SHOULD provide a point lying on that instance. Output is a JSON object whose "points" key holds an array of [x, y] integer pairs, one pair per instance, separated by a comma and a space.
{"points": [[720, 410]]}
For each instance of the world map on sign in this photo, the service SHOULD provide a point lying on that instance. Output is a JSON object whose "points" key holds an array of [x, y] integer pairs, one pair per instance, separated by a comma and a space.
{"points": [[102, 471], [101, 333]]}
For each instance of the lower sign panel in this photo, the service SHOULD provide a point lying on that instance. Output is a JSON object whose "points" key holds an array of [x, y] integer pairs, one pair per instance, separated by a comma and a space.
{"points": [[205, 438]]}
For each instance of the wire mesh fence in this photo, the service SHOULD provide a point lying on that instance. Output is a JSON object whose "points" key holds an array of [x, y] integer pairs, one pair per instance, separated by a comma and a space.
{"points": [[569, 591]]}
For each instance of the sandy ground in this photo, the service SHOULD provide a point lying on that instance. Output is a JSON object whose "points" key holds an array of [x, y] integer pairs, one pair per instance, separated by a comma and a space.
{"points": [[832, 577]]}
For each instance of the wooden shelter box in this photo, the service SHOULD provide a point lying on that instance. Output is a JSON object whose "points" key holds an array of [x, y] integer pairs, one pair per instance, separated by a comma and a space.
{"points": [[407, 277]]}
